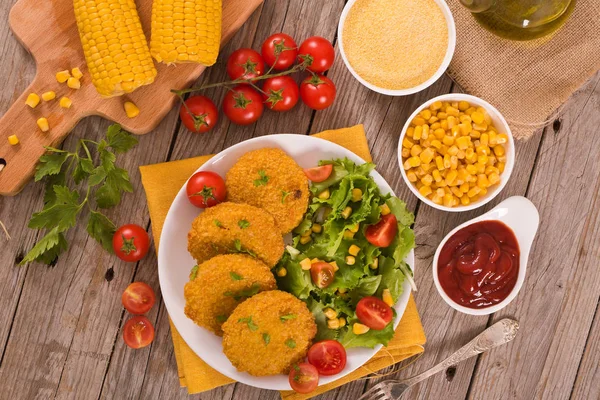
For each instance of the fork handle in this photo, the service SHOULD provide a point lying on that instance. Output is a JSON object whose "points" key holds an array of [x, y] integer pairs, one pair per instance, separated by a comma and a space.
{"points": [[501, 332]]}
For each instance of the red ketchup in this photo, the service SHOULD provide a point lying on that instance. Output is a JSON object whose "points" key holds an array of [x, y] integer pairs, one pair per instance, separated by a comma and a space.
{"points": [[478, 266]]}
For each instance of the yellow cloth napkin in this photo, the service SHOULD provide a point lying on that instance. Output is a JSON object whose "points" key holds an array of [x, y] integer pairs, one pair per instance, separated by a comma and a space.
{"points": [[162, 183]]}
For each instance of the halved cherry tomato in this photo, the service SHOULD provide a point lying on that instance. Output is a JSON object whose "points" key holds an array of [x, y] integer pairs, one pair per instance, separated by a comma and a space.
{"points": [[282, 45], [317, 51], [199, 114], [138, 332], [282, 93], [243, 105], [317, 92], [304, 378], [382, 233], [322, 274], [320, 173], [131, 243], [245, 64], [206, 189], [374, 313], [328, 356], [138, 298]]}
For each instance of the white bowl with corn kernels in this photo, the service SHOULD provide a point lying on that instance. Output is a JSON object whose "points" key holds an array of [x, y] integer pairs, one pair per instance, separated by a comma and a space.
{"points": [[501, 161]]}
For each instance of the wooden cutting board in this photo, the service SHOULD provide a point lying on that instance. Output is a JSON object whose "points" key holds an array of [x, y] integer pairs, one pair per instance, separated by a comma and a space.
{"points": [[48, 30]]}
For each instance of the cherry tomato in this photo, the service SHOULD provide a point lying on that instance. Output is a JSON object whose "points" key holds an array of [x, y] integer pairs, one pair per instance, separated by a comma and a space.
{"points": [[206, 189], [138, 298], [373, 312], [320, 173], [322, 274], [202, 115], [245, 64], [131, 242], [282, 91], [317, 92], [304, 378], [328, 356], [318, 52], [138, 332], [382, 233], [243, 105], [282, 45]]}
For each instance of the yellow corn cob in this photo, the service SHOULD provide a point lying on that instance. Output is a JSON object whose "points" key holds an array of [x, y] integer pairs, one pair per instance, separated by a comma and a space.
{"points": [[186, 31], [114, 45]]}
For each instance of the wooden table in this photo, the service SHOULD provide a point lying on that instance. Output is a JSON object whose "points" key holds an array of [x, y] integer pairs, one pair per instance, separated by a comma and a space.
{"points": [[60, 327]]}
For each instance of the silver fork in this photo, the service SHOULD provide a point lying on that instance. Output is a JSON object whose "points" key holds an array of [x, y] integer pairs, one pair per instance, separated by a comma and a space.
{"points": [[501, 332]]}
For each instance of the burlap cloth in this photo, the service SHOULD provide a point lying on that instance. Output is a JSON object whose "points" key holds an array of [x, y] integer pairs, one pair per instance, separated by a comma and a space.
{"points": [[527, 81]]}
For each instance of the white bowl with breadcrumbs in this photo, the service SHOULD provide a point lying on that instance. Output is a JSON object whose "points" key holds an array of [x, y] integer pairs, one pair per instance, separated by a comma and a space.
{"points": [[397, 47]]}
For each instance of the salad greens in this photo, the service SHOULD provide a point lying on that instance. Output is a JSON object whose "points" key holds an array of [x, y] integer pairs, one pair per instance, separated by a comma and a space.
{"points": [[374, 270]]}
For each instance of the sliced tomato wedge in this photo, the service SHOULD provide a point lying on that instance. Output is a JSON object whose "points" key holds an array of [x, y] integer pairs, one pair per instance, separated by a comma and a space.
{"points": [[138, 332], [322, 274], [138, 298], [382, 233], [374, 313], [320, 173], [304, 378], [328, 356]]}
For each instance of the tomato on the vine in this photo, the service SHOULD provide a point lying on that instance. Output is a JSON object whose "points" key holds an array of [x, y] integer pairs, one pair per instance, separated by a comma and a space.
{"points": [[206, 189], [131, 243], [279, 51], [318, 52], [317, 92], [199, 114], [245, 64], [282, 93], [243, 105]]}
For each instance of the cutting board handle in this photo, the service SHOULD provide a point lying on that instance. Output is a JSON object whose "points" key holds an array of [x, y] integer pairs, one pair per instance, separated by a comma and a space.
{"points": [[21, 120]]}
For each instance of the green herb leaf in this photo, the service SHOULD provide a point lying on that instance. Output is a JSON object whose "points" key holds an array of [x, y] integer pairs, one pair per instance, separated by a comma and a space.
{"points": [[47, 249], [101, 229], [284, 318], [50, 164], [244, 293], [284, 195], [221, 318], [266, 338], [218, 223], [83, 169], [248, 321], [291, 343], [119, 140], [264, 179], [107, 159], [51, 181], [235, 277], [238, 248], [98, 175], [243, 224], [194, 273], [109, 194], [61, 214]]}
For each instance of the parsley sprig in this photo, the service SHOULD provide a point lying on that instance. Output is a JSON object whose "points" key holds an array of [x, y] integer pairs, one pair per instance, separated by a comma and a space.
{"points": [[104, 186]]}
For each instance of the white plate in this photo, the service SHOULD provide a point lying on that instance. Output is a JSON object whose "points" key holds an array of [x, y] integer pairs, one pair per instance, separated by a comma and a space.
{"points": [[175, 263]]}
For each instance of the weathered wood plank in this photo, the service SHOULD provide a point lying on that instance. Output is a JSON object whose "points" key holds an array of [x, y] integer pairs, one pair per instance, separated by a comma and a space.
{"points": [[586, 386], [560, 295]]}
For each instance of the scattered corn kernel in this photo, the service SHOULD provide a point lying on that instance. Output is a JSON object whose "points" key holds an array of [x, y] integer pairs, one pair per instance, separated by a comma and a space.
{"points": [[348, 234], [305, 264], [333, 324], [305, 239], [342, 322], [13, 140], [47, 96], [356, 194], [76, 72], [306, 233], [330, 313], [324, 195], [32, 100], [354, 250], [359, 329], [65, 102], [387, 297], [42, 123], [335, 266], [342, 290], [317, 228], [350, 260], [131, 109], [385, 209], [354, 228], [346, 213], [73, 83], [375, 264], [281, 272], [62, 76]]}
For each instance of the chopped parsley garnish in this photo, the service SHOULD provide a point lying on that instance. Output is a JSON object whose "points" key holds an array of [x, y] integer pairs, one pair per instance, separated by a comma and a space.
{"points": [[235, 277], [221, 318], [290, 343], [264, 179], [284, 318], [194, 273], [241, 294], [284, 194], [238, 248], [266, 338], [243, 224], [218, 223], [248, 321]]}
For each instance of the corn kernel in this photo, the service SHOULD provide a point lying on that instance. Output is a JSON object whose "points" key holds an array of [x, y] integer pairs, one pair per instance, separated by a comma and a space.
{"points": [[375, 264], [463, 105], [447, 200], [316, 228], [405, 152], [425, 191], [436, 199], [281, 272], [73, 83], [412, 177], [418, 132], [350, 260], [306, 233], [342, 322], [13, 140], [474, 191], [427, 156], [76, 72], [465, 200], [356, 194], [324, 195], [502, 139], [354, 250], [482, 181], [499, 150], [131, 109], [418, 121], [334, 265], [62, 76], [65, 102], [451, 177], [47, 96], [346, 213], [453, 150], [305, 264], [410, 131], [425, 134], [333, 324], [436, 105], [32, 100], [354, 228], [330, 313], [426, 114], [477, 117], [348, 234], [407, 143], [359, 329], [493, 178], [305, 239], [42, 123], [342, 290], [387, 297], [415, 150]]}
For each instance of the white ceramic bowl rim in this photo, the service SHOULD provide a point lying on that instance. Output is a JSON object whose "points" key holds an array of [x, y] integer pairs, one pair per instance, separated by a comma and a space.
{"points": [[403, 92], [510, 151]]}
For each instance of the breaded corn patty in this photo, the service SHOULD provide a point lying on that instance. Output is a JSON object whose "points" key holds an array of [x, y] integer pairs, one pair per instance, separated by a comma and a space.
{"points": [[270, 179], [229, 228], [268, 333], [221, 284]]}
